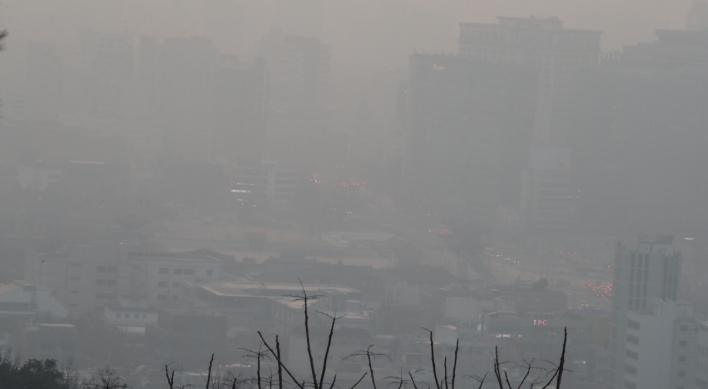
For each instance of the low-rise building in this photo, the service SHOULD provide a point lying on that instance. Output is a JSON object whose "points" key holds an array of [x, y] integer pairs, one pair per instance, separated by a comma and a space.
{"points": [[130, 315], [84, 278], [23, 301], [49, 341], [275, 306]]}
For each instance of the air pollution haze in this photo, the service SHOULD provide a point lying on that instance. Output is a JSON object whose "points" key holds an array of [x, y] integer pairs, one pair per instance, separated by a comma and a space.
{"points": [[353, 193]]}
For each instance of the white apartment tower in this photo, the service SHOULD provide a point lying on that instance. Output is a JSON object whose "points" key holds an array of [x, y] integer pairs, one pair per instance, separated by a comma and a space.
{"points": [[660, 347], [649, 272]]}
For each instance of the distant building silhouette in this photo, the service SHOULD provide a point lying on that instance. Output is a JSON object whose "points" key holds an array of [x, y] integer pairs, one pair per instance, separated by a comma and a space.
{"points": [[697, 18], [561, 57], [298, 71], [469, 128]]}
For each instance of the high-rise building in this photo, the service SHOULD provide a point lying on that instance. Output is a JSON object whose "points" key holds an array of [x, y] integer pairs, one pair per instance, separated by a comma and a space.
{"points": [[558, 54], [297, 75], [702, 356], [44, 82], [561, 58], [107, 60], [660, 347], [468, 132], [697, 18], [652, 96], [649, 272]]}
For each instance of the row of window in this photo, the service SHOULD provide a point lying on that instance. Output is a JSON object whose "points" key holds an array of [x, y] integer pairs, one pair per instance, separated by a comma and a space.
{"points": [[106, 282], [179, 271], [165, 284], [105, 296], [107, 269], [163, 297], [127, 315]]}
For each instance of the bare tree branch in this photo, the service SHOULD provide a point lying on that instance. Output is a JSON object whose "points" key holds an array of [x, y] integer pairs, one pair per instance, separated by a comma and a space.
{"points": [[329, 343], [561, 365], [280, 363], [445, 368], [170, 379], [413, 380], [454, 365], [432, 359], [369, 354], [211, 361], [357, 383]]}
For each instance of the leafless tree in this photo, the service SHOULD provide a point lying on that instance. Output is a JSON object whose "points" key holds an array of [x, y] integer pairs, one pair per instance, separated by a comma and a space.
{"points": [[554, 374], [369, 356], [107, 379], [316, 383]]}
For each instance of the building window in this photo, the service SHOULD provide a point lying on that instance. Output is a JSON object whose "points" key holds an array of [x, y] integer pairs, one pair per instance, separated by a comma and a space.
{"points": [[630, 385], [189, 272], [164, 270], [107, 269], [633, 339], [631, 354], [136, 316], [631, 370], [178, 271], [162, 284], [633, 324]]}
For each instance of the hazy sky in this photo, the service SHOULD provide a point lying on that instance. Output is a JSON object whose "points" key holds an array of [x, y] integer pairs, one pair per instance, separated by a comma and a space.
{"points": [[367, 36]]}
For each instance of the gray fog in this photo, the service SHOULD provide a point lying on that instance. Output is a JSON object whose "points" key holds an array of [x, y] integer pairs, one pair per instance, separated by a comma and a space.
{"points": [[371, 193]]}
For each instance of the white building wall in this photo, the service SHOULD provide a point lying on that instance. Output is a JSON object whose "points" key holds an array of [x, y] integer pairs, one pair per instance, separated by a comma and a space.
{"points": [[660, 350], [702, 357]]}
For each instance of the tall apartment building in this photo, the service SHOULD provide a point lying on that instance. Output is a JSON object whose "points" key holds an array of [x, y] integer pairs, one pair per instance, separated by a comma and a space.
{"points": [[468, 132], [559, 55], [561, 58], [660, 346], [649, 272], [702, 356], [43, 82], [651, 96], [298, 71], [87, 277], [107, 60]]}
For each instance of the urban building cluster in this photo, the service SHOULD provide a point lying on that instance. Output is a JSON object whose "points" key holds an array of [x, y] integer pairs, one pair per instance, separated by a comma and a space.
{"points": [[164, 202]]}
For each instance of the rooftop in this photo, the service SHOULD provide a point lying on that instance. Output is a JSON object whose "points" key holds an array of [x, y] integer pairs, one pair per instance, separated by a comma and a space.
{"points": [[226, 288]]}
